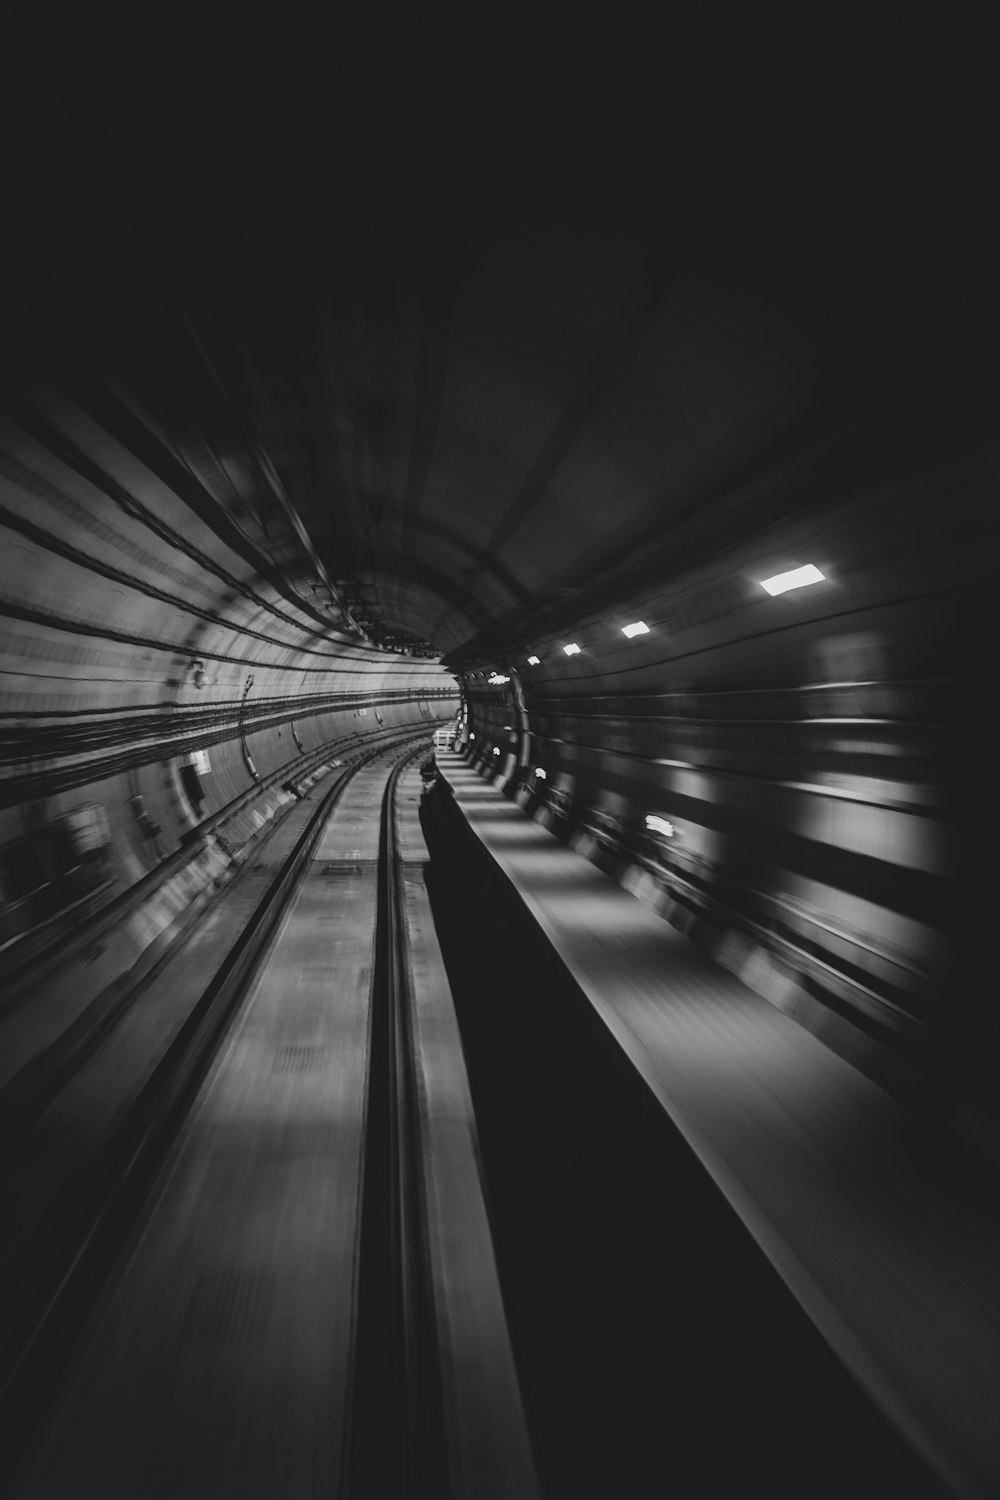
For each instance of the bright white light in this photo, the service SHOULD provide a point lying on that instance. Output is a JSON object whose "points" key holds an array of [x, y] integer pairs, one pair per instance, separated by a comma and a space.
{"points": [[656, 824], [472, 734], [572, 649], [540, 774], [639, 628], [497, 679], [533, 661], [796, 579], [496, 749]]}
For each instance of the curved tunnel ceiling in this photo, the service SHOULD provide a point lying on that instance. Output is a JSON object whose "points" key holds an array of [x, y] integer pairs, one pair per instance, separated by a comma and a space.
{"points": [[505, 317]]}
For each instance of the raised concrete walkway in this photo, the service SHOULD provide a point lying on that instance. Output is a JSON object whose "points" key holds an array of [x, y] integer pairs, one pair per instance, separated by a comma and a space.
{"points": [[891, 1246]]}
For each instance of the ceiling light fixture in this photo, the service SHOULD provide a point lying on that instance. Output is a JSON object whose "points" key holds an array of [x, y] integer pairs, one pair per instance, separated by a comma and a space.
{"points": [[796, 579], [572, 649], [639, 628], [533, 661], [656, 824]]}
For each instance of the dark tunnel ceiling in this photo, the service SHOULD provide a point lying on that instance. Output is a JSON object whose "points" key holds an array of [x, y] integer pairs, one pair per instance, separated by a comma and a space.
{"points": [[527, 305]]}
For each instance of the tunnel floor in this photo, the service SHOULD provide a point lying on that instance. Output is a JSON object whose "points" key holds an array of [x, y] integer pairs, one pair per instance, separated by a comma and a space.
{"points": [[658, 1350]]}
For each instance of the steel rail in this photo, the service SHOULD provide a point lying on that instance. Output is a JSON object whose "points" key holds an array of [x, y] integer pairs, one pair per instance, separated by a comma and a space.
{"points": [[423, 1417], [398, 1444]]}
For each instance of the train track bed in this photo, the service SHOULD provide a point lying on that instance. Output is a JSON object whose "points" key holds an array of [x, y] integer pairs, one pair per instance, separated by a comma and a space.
{"points": [[725, 1252], [72, 1114], [284, 1214], [70, 979]]}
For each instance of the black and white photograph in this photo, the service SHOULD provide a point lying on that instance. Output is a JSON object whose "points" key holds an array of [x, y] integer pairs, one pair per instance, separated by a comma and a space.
{"points": [[499, 533]]}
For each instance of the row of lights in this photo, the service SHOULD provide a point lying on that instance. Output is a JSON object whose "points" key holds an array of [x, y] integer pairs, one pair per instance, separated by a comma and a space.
{"points": [[638, 627], [796, 578], [655, 822]]}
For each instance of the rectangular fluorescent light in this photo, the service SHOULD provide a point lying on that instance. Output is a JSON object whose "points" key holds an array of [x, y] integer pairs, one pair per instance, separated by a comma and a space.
{"points": [[796, 579], [656, 824], [572, 649], [533, 661], [639, 628]]}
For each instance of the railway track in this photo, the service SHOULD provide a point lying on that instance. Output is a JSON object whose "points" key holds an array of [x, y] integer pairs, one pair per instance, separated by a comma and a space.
{"points": [[281, 1278]]}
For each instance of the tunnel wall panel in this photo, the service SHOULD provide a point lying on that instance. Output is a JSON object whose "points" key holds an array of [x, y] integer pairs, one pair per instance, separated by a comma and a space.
{"points": [[811, 752], [151, 619]]}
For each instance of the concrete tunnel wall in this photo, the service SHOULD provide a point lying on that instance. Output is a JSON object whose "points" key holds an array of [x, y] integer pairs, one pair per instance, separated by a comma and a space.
{"points": [[817, 756], [169, 660], [811, 751]]}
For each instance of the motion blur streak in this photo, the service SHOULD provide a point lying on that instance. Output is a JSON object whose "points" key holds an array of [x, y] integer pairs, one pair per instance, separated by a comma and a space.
{"points": [[374, 370]]}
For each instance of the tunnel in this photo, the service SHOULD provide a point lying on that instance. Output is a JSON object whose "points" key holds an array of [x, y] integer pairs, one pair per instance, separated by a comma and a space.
{"points": [[601, 396]]}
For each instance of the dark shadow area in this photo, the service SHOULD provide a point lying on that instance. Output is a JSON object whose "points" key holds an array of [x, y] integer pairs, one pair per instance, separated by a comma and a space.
{"points": [[658, 1350]]}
